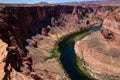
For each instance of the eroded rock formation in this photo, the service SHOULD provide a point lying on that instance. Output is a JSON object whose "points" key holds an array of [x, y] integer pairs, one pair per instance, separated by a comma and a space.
{"points": [[18, 27], [100, 51], [3, 55], [111, 26], [37, 27]]}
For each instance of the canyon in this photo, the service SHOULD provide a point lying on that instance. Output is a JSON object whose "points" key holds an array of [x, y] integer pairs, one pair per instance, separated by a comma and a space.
{"points": [[28, 34], [100, 50]]}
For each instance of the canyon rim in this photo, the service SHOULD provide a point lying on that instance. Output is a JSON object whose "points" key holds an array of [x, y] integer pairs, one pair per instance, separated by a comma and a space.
{"points": [[29, 32]]}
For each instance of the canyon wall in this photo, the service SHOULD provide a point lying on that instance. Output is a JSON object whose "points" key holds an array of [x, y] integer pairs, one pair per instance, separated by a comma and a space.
{"points": [[20, 23], [111, 25], [100, 51], [27, 21]]}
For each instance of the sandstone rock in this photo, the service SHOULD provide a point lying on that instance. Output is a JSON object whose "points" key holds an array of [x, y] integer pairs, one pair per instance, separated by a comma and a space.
{"points": [[18, 76], [3, 51], [37, 38], [3, 55], [44, 32], [111, 25], [100, 56], [32, 42], [20, 22], [100, 51]]}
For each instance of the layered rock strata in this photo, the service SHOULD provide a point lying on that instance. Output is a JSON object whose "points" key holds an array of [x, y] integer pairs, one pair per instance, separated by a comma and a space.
{"points": [[30, 25], [3, 55], [100, 51], [38, 27]]}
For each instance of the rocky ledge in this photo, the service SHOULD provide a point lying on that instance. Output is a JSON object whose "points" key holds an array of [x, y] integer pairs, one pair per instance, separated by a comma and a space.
{"points": [[100, 51]]}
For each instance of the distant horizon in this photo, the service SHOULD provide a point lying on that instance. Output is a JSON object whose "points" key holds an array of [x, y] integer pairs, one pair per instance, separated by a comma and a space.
{"points": [[39, 1]]}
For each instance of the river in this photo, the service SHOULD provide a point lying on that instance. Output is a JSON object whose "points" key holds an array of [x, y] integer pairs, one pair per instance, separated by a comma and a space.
{"points": [[68, 57]]}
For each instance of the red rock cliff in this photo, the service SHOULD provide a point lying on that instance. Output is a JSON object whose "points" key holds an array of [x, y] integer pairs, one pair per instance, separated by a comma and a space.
{"points": [[19, 23], [100, 50]]}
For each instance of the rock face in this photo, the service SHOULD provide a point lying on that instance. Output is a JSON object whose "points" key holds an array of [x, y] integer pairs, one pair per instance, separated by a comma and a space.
{"points": [[19, 24], [28, 21], [103, 11], [100, 50], [111, 26], [3, 55], [32, 26]]}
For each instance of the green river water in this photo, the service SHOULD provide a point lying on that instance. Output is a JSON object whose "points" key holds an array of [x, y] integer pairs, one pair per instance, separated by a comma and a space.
{"points": [[68, 57]]}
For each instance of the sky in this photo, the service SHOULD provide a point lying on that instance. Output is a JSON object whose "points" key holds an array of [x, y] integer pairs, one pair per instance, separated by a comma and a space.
{"points": [[37, 1]]}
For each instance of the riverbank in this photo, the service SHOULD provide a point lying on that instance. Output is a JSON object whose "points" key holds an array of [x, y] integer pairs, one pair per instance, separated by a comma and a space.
{"points": [[97, 58], [100, 51], [68, 58], [46, 57]]}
